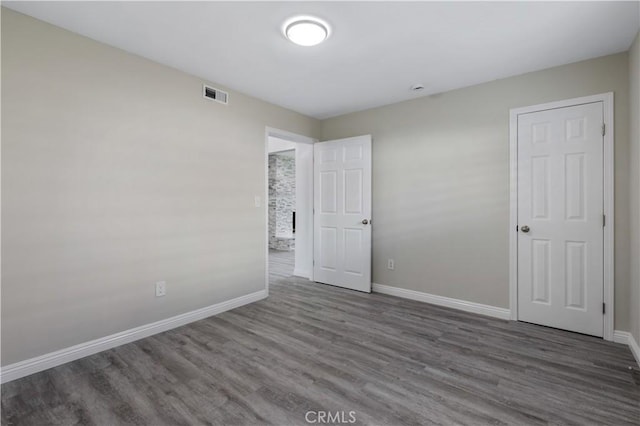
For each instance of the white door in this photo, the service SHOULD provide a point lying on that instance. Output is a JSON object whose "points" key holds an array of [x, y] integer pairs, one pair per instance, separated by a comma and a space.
{"points": [[342, 213], [560, 218]]}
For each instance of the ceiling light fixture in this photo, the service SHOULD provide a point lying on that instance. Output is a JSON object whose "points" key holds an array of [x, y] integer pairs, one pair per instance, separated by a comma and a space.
{"points": [[306, 30]]}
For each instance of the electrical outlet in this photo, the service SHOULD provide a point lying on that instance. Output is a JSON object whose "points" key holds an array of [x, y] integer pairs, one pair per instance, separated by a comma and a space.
{"points": [[257, 201], [391, 264], [161, 289]]}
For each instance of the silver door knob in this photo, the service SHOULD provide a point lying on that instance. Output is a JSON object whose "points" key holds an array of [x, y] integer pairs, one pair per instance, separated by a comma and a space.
{"points": [[365, 222], [525, 229]]}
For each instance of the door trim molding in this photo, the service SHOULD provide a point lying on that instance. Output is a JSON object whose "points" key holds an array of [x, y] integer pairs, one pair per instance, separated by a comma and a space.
{"points": [[608, 201]]}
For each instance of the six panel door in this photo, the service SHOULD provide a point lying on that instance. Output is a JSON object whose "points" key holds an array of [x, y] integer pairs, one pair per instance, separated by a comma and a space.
{"points": [[560, 218], [342, 213]]}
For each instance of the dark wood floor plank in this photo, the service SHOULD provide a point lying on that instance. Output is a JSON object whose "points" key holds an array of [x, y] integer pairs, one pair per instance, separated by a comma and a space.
{"points": [[317, 347]]}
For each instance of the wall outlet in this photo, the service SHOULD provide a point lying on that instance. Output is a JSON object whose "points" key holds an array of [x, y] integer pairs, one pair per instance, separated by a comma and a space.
{"points": [[391, 264], [161, 289], [257, 201]]}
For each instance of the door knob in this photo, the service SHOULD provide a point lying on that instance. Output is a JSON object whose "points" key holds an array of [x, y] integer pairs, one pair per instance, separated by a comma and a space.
{"points": [[525, 229], [365, 222]]}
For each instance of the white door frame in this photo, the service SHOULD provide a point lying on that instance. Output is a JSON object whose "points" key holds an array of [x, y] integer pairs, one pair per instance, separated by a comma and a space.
{"points": [[293, 137], [608, 202]]}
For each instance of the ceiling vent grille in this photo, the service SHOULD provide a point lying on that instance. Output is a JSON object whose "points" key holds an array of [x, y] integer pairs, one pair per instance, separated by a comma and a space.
{"points": [[215, 94]]}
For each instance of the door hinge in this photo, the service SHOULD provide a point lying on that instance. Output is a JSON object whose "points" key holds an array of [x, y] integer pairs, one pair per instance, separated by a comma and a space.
{"points": [[603, 129], [604, 310], [604, 220]]}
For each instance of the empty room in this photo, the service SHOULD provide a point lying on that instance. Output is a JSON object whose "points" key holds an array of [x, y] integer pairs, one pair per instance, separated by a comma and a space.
{"points": [[307, 213]]}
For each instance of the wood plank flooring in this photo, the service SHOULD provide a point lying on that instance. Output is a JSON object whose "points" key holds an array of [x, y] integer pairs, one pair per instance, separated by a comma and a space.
{"points": [[312, 347]]}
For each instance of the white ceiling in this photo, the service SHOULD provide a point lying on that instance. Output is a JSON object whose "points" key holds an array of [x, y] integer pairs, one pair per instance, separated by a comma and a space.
{"points": [[376, 52]]}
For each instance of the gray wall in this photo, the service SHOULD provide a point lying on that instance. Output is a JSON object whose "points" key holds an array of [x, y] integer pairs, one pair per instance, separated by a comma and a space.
{"points": [[634, 196], [441, 180], [116, 173]]}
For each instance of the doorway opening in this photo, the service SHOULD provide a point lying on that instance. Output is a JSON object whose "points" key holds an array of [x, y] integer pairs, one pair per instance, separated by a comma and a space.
{"points": [[282, 205], [282, 200], [289, 206]]}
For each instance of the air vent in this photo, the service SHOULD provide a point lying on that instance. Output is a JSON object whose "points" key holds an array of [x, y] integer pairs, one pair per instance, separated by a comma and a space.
{"points": [[215, 94]]}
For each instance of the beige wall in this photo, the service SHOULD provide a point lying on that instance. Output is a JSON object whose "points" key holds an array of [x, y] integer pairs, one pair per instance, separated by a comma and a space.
{"points": [[634, 196], [116, 173], [441, 180]]}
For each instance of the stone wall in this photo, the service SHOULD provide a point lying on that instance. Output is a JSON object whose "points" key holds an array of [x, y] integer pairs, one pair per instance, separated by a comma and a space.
{"points": [[282, 201]]}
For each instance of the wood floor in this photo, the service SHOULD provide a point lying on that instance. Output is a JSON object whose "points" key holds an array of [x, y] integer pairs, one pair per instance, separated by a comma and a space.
{"points": [[312, 347]]}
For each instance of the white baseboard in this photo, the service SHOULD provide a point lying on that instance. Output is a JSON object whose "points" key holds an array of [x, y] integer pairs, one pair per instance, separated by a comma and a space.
{"points": [[621, 337], [626, 338], [53, 359], [463, 305], [302, 273]]}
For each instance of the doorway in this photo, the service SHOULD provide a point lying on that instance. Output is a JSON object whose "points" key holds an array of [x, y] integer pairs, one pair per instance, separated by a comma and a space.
{"points": [[282, 196], [289, 204], [562, 215], [318, 209]]}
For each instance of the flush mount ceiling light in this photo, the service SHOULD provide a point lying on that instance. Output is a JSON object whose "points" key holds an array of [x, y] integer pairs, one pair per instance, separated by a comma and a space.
{"points": [[306, 30]]}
